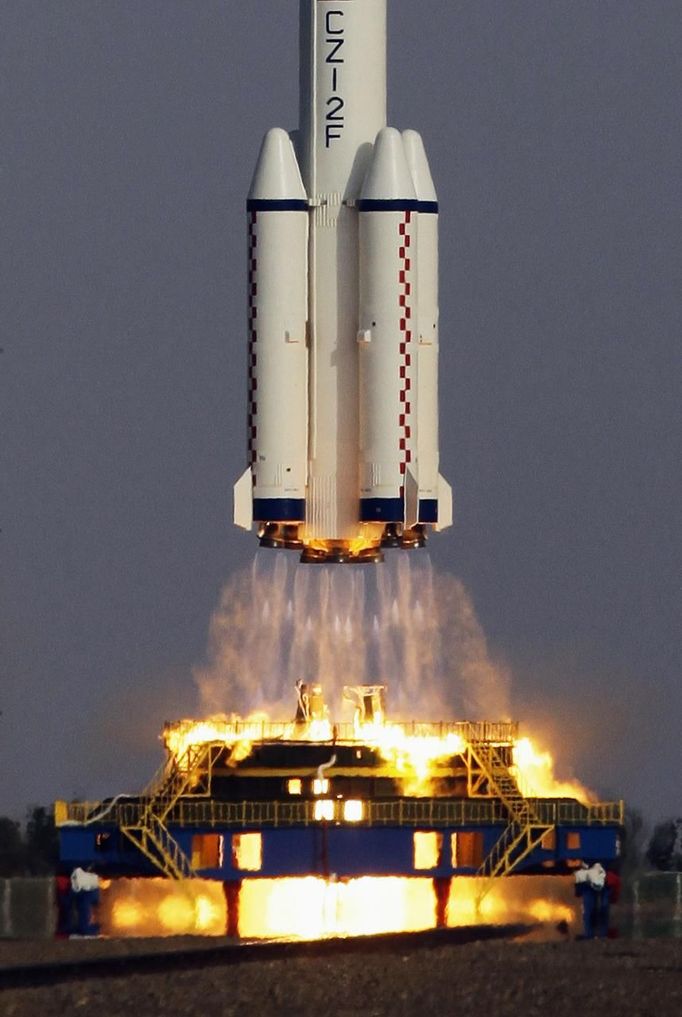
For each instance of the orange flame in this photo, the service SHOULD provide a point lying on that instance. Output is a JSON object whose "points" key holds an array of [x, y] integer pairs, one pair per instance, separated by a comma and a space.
{"points": [[535, 775], [310, 907], [414, 756], [161, 907]]}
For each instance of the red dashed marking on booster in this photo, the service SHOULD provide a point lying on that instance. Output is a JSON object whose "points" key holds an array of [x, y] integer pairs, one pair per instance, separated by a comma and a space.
{"points": [[252, 330], [404, 292]]}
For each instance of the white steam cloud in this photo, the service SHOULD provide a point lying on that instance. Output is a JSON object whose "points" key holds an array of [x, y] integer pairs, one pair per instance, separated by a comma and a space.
{"points": [[400, 623]]}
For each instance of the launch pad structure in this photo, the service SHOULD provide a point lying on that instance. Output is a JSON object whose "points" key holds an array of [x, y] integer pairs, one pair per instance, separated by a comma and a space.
{"points": [[261, 799]]}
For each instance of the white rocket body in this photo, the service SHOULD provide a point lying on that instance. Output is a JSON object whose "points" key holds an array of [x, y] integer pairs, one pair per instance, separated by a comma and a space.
{"points": [[343, 294]]}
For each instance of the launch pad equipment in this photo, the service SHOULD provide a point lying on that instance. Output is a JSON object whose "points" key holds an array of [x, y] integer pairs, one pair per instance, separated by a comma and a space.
{"points": [[342, 311], [338, 805]]}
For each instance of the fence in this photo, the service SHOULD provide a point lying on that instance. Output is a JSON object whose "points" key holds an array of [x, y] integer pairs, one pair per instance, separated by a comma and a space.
{"points": [[27, 908]]}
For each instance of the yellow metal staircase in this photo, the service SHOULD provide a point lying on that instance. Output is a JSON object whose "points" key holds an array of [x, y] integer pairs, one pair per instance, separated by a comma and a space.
{"points": [[190, 774], [524, 830], [152, 838]]}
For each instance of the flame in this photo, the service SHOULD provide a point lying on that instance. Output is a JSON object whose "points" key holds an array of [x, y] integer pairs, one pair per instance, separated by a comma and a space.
{"points": [[127, 915], [367, 538], [161, 907], [414, 756], [518, 899], [176, 913], [208, 913], [311, 907], [316, 731], [237, 733], [535, 775]]}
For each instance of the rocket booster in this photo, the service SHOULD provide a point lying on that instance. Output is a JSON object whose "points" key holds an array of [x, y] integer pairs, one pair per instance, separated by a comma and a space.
{"points": [[342, 311]]}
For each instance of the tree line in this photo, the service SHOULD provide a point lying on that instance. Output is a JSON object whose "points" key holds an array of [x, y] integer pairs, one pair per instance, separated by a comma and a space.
{"points": [[31, 848]]}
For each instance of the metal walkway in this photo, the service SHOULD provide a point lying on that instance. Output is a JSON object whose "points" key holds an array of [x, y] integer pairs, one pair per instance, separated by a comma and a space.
{"points": [[188, 776], [525, 826]]}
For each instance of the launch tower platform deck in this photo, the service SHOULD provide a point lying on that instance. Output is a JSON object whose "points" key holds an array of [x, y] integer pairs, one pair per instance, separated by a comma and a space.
{"points": [[237, 800]]}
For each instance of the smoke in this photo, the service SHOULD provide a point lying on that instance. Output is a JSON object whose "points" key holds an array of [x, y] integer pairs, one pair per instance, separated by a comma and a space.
{"points": [[400, 623]]}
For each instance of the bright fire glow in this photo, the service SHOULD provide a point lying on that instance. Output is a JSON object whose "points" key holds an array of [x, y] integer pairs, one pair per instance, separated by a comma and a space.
{"points": [[427, 849], [247, 851], [312, 908], [519, 899], [177, 913], [535, 775], [353, 810], [413, 756], [161, 907], [324, 809], [367, 538], [238, 734]]}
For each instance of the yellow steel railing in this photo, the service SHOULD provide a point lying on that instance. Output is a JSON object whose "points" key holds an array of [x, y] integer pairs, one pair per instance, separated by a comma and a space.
{"points": [[229, 731], [425, 812], [147, 830]]}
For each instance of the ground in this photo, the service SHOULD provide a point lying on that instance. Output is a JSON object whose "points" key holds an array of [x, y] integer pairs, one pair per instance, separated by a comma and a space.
{"points": [[496, 979]]}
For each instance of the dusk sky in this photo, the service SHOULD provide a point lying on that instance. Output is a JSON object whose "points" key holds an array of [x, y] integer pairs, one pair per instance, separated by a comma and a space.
{"points": [[130, 130]]}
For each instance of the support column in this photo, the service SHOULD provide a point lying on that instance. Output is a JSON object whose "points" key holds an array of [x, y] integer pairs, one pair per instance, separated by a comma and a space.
{"points": [[232, 889], [441, 888]]}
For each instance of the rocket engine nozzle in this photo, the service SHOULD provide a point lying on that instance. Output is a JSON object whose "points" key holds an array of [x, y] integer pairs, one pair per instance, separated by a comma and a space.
{"points": [[410, 537], [280, 535], [340, 553]]}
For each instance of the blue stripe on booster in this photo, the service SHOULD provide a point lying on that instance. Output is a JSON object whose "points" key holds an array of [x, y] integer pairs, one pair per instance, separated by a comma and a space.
{"points": [[279, 510], [396, 205], [276, 205], [363, 205], [382, 510], [428, 510], [426, 207]]}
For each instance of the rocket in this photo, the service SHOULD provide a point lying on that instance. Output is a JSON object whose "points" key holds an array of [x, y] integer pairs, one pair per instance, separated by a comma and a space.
{"points": [[342, 248]]}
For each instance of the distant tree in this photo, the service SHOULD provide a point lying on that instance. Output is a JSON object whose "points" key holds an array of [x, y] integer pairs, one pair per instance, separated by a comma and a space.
{"points": [[665, 846], [11, 848], [41, 843], [32, 852]]}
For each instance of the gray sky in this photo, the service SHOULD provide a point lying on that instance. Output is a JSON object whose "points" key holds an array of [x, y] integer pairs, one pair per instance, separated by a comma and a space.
{"points": [[129, 133]]}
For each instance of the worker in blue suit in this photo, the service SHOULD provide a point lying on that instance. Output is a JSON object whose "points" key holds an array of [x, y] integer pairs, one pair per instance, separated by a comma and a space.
{"points": [[85, 893], [590, 886]]}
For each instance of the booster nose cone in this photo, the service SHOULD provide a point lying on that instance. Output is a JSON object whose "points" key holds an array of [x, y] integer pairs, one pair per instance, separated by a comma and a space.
{"points": [[272, 490], [415, 153], [388, 177], [277, 176]]}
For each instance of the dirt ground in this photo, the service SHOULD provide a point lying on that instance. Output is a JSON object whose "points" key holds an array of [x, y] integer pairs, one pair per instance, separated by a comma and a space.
{"points": [[491, 979]]}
